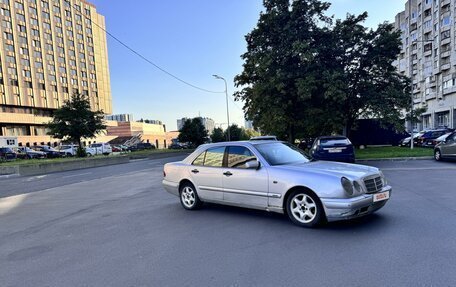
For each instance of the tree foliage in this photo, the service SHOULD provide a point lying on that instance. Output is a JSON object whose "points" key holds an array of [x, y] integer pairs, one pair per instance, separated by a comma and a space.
{"points": [[236, 133], [75, 120], [305, 74], [218, 135], [193, 131]]}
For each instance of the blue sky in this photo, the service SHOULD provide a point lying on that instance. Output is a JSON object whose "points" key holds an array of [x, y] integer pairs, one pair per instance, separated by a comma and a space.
{"points": [[193, 40]]}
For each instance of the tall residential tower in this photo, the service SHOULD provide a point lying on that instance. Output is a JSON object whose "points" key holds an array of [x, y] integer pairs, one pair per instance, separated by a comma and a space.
{"points": [[429, 56], [49, 50]]}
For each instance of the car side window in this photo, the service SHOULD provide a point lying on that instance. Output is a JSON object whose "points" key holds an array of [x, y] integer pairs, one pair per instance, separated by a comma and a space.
{"points": [[238, 156], [200, 159], [214, 157]]}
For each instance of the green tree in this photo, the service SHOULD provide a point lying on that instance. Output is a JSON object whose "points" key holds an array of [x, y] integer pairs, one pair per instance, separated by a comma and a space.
{"points": [[218, 135], [306, 74], [359, 79], [277, 79], [236, 133], [193, 131], [75, 120]]}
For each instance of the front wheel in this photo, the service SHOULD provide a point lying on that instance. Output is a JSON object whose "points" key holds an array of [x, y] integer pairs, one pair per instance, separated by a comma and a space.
{"points": [[189, 198], [437, 155], [304, 209]]}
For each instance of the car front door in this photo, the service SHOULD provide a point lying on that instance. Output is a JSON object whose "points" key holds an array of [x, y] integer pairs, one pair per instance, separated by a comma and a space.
{"points": [[449, 148], [206, 173], [243, 185]]}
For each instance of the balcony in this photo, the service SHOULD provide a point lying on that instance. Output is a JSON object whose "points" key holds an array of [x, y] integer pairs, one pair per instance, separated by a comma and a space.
{"points": [[443, 3], [431, 96], [446, 41]]}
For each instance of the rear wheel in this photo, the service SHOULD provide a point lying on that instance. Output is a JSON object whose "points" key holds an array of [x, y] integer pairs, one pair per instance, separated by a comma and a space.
{"points": [[437, 155], [304, 208], [188, 197]]}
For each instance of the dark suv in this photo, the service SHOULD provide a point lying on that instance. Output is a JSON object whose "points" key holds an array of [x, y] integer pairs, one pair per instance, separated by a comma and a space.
{"points": [[333, 148]]}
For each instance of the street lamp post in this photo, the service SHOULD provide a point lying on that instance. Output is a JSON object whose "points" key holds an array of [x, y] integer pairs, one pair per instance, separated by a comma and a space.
{"points": [[227, 110]]}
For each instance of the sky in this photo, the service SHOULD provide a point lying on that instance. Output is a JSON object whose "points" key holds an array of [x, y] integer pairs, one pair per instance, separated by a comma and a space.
{"points": [[192, 40]]}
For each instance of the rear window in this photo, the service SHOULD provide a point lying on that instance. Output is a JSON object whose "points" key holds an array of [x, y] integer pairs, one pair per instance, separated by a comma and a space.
{"points": [[335, 141], [95, 145], [6, 149]]}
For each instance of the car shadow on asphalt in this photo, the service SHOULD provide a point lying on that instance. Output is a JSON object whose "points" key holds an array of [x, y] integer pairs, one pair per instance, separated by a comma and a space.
{"points": [[370, 222]]}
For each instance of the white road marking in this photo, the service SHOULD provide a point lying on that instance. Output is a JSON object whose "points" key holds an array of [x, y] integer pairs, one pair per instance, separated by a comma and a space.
{"points": [[74, 175]]}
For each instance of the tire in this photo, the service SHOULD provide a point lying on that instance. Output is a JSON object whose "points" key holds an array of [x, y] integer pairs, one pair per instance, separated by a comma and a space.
{"points": [[305, 209], [437, 155], [188, 197]]}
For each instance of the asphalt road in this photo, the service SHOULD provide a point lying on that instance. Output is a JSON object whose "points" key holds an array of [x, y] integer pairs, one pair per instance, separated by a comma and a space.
{"points": [[116, 226]]}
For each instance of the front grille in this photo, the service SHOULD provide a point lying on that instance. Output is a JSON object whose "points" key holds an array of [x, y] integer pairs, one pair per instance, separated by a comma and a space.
{"points": [[373, 184]]}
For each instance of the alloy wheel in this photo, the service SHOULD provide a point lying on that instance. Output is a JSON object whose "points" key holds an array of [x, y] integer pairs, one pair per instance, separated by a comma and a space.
{"points": [[188, 196], [303, 208]]}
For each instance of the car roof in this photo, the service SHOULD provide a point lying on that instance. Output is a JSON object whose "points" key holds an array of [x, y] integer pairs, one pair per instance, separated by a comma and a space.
{"points": [[332, 137]]}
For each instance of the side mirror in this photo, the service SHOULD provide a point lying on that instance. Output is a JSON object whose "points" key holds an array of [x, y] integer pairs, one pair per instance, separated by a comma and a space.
{"points": [[253, 164]]}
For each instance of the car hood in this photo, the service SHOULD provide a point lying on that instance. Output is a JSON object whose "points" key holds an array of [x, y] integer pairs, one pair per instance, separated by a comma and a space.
{"points": [[351, 171]]}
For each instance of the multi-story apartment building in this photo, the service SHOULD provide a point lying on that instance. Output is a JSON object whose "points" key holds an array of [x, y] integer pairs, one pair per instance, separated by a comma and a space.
{"points": [[208, 123], [120, 117], [49, 49], [428, 56]]}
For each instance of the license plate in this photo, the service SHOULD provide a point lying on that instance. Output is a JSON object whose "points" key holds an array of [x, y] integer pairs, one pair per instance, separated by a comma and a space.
{"points": [[334, 150], [381, 196]]}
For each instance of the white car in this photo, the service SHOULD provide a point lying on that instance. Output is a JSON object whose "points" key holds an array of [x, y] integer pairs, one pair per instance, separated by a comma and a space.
{"points": [[71, 150], [278, 177], [101, 148]]}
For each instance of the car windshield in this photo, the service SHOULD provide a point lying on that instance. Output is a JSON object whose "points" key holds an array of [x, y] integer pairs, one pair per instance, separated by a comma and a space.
{"points": [[95, 145], [65, 147], [334, 141], [6, 149], [281, 153]]}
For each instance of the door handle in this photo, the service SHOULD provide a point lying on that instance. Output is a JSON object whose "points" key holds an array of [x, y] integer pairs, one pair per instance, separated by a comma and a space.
{"points": [[227, 173], [195, 171]]}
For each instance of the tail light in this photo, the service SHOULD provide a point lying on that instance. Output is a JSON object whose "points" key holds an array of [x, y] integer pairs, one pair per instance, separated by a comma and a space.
{"points": [[164, 173]]}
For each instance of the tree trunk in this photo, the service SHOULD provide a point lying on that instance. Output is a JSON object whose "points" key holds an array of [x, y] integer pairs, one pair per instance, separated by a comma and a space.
{"points": [[291, 133]]}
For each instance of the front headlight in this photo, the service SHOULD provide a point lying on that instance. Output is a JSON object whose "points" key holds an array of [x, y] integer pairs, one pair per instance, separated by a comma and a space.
{"points": [[347, 185]]}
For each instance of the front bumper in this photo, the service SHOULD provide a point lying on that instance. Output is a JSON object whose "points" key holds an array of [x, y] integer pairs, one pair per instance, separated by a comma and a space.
{"points": [[171, 187], [348, 208]]}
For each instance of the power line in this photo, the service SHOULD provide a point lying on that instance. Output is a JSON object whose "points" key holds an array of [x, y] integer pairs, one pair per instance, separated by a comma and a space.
{"points": [[143, 57]]}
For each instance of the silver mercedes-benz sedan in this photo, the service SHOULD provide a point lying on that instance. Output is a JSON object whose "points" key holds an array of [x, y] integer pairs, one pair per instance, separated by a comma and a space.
{"points": [[277, 177]]}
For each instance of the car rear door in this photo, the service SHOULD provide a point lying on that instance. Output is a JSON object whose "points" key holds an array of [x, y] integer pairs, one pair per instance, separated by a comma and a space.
{"points": [[241, 185], [206, 173]]}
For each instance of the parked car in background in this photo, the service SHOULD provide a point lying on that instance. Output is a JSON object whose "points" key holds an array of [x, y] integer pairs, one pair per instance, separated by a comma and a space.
{"points": [[141, 146], [28, 153], [175, 146], [333, 148], [50, 151], [430, 135], [446, 149], [101, 148], [72, 150], [406, 141], [277, 177], [264, 138], [7, 153], [432, 143]]}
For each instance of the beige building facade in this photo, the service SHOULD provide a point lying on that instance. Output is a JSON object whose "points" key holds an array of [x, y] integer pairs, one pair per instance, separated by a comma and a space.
{"points": [[428, 56], [49, 50]]}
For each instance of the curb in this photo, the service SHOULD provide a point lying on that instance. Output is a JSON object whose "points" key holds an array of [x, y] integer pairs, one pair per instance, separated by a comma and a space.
{"points": [[396, 159], [52, 167]]}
